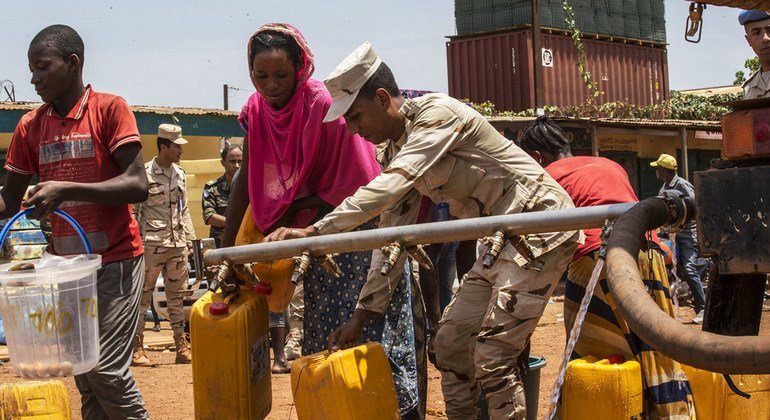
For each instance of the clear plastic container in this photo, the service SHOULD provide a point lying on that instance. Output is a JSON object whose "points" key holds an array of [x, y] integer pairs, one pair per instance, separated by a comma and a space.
{"points": [[50, 317]]}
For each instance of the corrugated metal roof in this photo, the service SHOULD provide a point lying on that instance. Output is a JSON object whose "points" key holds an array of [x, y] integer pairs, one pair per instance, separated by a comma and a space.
{"points": [[716, 90], [698, 125], [743, 4], [695, 125], [625, 122], [28, 106]]}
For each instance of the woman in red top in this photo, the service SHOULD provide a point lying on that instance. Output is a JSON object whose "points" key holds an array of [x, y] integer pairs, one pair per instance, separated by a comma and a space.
{"points": [[593, 181]]}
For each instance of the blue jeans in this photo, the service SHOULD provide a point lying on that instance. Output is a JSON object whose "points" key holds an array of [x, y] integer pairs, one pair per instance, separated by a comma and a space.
{"points": [[687, 253]]}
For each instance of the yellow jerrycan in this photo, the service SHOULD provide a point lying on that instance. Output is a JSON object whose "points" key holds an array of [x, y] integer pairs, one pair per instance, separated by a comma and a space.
{"points": [[276, 273], [714, 400], [231, 356], [351, 384], [602, 389], [34, 400]]}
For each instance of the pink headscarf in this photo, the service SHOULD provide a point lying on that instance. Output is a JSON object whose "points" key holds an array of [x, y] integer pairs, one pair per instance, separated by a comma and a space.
{"points": [[292, 154]]}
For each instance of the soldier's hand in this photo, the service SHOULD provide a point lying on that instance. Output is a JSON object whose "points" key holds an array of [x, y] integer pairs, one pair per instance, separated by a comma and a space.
{"points": [[46, 197], [345, 336], [350, 332], [281, 234]]}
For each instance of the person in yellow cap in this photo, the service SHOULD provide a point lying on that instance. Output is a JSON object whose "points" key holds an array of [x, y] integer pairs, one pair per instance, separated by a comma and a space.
{"points": [[686, 250], [167, 230], [756, 23]]}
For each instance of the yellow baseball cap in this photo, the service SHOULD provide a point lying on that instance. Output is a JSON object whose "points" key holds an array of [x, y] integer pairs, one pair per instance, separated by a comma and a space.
{"points": [[665, 161]]}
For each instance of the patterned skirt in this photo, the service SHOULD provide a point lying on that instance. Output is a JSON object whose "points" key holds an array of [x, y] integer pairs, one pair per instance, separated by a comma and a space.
{"points": [[604, 333], [330, 302]]}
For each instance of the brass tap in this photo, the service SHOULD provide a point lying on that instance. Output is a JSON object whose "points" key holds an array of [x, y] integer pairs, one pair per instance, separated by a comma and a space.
{"points": [[495, 245], [393, 253], [331, 267], [301, 267], [418, 254]]}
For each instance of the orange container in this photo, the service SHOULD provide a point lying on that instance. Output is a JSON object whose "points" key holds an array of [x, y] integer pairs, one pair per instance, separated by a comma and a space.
{"points": [[277, 273]]}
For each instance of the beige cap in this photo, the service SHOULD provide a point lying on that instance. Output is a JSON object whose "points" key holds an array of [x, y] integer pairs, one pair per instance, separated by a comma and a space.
{"points": [[171, 132], [346, 80]]}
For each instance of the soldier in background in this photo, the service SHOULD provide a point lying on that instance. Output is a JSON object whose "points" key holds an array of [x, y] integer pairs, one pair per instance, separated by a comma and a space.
{"points": [[216, 192], [757, 26], [167, 230]]}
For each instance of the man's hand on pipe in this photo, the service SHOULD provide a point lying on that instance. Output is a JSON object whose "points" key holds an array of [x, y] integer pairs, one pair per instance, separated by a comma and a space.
{"points": [[284, 233]]}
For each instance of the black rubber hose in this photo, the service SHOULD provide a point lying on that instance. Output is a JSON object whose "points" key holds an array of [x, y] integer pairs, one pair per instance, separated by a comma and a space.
{"points": [[699, 349]]}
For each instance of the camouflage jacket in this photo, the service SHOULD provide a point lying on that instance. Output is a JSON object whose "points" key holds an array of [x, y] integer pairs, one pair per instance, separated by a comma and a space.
{"points": [[755, 87], [164, 219], [450, 153], [215, 195]]}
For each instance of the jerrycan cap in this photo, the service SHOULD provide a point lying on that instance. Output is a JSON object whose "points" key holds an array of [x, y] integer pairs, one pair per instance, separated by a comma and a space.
{"points": [[263, 288], [219, 308], [616, 360]]}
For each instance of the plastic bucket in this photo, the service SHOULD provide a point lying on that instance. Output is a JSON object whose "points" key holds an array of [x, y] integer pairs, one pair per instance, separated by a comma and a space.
{"points": [[50, 313], [532, 385], [531, 389]]}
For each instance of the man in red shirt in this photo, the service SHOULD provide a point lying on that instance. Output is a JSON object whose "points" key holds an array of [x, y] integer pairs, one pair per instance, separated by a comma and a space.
{"points": [[85, 147], [594, 181]]}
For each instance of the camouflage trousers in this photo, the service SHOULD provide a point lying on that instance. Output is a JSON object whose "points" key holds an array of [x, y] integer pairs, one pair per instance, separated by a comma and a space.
{"points": [[172, 262], [485, 328]]}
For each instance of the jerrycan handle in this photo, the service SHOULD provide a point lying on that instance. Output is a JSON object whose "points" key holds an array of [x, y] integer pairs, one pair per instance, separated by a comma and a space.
{"points": [[60, 213]]}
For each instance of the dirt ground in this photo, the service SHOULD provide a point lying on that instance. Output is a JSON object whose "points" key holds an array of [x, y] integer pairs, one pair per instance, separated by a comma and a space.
{"points": [[167, 387]]}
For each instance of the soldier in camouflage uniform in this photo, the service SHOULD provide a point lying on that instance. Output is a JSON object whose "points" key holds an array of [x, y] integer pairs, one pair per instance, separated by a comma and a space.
{"points": [[438, 147], [216, 192], [167, 230]]}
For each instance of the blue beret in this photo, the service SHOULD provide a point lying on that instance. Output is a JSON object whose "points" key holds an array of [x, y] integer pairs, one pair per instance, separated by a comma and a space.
{"points": [[748, 16]]}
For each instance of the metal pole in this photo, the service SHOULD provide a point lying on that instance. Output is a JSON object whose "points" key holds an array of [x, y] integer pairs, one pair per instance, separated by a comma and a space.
{"points": [[427, 233], [685, 160], [594, 140], [537, 55], [225, 88]]}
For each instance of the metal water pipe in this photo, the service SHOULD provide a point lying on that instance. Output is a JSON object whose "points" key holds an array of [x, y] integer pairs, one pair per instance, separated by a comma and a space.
{"points": [[427, 233]]}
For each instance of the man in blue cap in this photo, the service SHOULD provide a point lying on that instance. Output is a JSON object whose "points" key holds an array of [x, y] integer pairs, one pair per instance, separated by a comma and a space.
{"points": [[757, 26]]}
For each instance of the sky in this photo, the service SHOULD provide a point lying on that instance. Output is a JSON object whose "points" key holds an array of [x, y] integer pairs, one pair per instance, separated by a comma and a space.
{"points": [[180, 53]]}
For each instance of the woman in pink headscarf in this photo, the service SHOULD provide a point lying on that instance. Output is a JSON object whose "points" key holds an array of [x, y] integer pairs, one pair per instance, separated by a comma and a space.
{"points": [[296, 169]]}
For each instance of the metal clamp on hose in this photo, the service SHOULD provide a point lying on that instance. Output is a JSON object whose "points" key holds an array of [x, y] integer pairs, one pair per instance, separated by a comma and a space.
{"points": [[676, 209]]}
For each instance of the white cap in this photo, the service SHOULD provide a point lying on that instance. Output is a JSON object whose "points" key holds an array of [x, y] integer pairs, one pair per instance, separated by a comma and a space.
{"points": [[171, 132], [346, 80]]}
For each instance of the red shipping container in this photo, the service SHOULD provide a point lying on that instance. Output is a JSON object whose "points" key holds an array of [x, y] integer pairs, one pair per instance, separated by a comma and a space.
{"points": [[497, 67]]}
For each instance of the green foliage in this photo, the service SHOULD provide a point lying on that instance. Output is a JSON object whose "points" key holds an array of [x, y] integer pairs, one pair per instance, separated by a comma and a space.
{"points": [[752, 65], [593, 87], [679, 106], [740, 77]]}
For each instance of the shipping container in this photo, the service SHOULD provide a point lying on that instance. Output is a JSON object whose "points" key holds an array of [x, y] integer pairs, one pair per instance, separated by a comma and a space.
{"points": [[497, 67], [637, 19]]}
